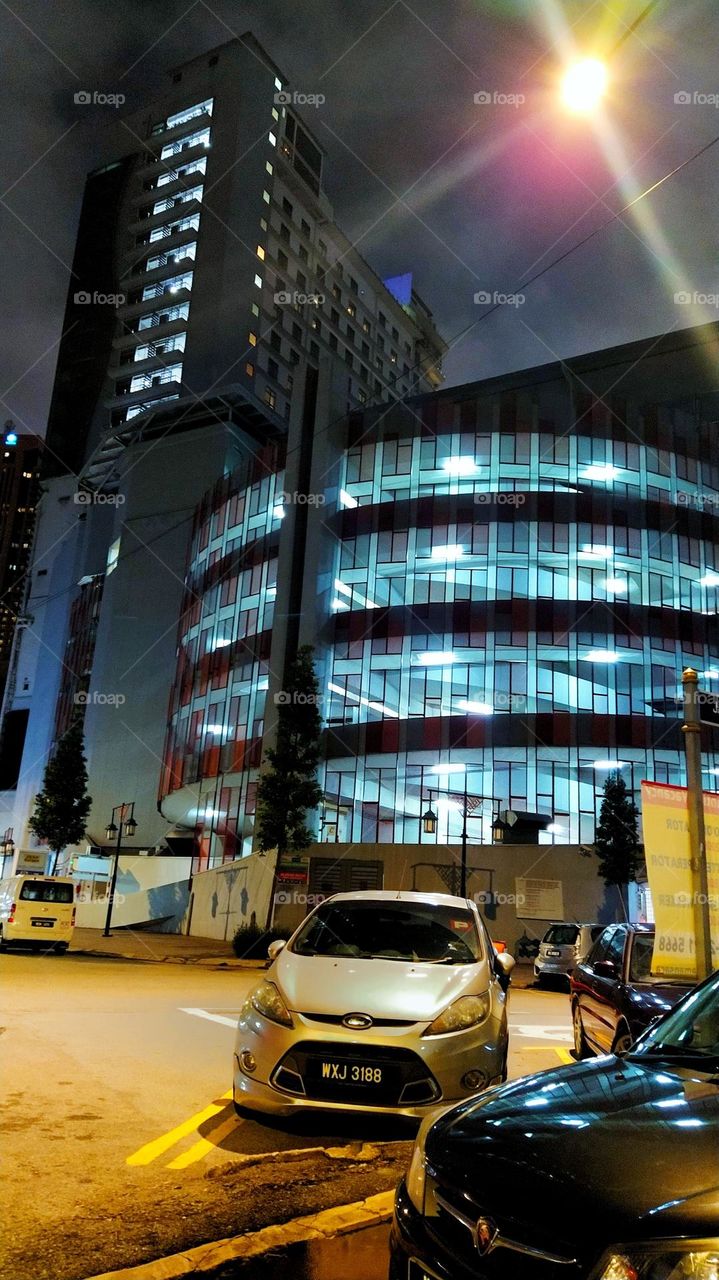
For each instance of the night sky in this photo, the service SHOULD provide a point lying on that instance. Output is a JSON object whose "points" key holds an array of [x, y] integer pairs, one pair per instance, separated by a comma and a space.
{"points": [[471, 197]]}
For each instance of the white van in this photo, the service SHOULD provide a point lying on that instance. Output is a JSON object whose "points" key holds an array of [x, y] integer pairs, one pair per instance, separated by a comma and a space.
{"points": [[37, 910]]}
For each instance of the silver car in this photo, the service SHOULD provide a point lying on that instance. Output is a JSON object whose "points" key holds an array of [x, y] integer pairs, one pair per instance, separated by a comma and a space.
{"points": [[381, 1001], [562, 947]]}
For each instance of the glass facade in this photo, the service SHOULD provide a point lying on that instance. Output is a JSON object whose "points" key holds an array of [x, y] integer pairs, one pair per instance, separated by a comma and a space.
{"points": [[516, 581]]}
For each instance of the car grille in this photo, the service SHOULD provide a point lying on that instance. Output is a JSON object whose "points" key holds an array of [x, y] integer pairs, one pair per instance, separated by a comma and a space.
{"points": [[453, 1226], [367, 1075], [336, 1020]]}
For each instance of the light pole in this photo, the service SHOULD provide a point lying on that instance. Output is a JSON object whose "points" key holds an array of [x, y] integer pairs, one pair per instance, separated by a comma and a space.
{"points": [[697, 834], [126, 825], [429, 824]]}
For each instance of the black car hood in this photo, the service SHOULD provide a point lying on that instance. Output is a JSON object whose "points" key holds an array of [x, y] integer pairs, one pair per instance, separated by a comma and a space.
{"points": [[595, 1152], [652, 999]]}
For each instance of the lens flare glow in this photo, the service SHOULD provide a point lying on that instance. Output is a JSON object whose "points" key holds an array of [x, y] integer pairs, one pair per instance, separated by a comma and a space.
{"points": [[584, 85]]}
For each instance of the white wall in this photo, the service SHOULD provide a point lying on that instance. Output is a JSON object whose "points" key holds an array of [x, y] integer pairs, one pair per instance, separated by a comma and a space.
{"points": [[228, 896], [148, 889]]}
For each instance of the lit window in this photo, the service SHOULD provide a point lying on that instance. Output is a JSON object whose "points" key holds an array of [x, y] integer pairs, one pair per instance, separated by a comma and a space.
{"points": [[255, 309], [263, 223], [273, 139], [278, 83], [275, 113], [260, 253], [270, 397], [253, 339], [250, 370], [266, 197], [268, 166], [258, 281]]}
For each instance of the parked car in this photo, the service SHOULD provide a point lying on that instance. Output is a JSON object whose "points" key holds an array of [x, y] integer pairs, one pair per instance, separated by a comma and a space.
{"points": [[380, 1001], [602, 1170], [37, 911], [613, 994], [562, 947]]}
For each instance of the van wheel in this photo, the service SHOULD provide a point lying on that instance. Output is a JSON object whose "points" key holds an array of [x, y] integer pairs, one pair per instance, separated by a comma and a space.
{"points": [[60, 948]]}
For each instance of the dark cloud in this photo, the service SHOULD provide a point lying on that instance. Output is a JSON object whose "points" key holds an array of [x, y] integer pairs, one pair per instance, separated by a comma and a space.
{"points": [[487, 190]]}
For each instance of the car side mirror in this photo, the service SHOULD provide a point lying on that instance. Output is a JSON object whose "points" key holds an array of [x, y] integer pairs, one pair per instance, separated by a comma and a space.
{"points": [[605, 969], [504, 962], [274, 949]]}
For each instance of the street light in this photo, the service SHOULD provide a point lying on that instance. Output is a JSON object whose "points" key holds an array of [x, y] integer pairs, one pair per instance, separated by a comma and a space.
{"points": [[584, 85], [127, 826], [429, 825]]}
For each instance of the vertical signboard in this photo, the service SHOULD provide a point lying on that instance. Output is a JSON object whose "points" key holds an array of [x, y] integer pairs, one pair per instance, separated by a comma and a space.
{"points": [[665, 822]]}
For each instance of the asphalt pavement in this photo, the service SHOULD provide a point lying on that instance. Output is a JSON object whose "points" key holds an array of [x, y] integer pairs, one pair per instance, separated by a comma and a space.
{"points": [[120, 1139]]}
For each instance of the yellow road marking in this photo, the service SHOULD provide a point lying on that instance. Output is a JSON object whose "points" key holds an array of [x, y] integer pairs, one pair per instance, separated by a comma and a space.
{"points": [[202, 1148], [564, 1055], [152, 1150]]}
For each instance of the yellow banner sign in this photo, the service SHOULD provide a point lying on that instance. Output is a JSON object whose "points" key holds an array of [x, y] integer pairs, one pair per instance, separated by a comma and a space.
{"points": [[665, 821]]}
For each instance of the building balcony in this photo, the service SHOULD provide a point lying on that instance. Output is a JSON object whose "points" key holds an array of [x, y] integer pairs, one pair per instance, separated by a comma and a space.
{"points": [[131, 309], [172, 188], [137, 278], [157, 166], [168, 244], [155, 332], [143, 395], [183, 209], [159, 140]]}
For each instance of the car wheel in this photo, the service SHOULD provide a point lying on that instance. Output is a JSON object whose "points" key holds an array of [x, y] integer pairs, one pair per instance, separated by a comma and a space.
{"points": [[623, 1040], [3, 944], [60, 948], [581, 1048]]}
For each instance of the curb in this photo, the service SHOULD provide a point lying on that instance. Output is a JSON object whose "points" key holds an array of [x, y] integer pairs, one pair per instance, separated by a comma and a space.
{"points": [[206, 1258], [204, 962]]}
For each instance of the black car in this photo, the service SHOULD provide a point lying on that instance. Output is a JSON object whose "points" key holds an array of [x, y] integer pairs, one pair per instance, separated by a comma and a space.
{"points": [[602, 1170], [613, 995]]}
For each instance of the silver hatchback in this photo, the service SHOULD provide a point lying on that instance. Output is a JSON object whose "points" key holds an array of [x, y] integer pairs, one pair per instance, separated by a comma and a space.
{"points": [[381, 1001], [562, 947]]}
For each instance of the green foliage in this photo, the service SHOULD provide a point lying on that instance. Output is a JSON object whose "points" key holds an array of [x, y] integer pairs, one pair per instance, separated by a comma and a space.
{"points": [[616, 839], [251, 942], [61, 808], [288, 786]]}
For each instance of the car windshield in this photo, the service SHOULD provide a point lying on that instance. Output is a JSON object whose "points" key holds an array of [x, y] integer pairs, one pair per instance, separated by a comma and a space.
{"points": [[690, 1032], [46, 891], [561, 935], [395, 930]]}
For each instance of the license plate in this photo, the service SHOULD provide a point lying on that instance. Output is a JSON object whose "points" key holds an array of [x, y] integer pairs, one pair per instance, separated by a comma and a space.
{"points": [[42, 924], [419, 1272], [553, 951], [356, 1073]]}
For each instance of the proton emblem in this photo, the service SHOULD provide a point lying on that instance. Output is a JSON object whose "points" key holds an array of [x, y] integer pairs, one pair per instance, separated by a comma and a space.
{"points": [[486, 1232], [357, 1021]]}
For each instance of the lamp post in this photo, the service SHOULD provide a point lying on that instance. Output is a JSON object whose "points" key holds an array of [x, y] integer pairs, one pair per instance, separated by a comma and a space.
{"points": [[697, 834], [127, 826], [429, 825]]}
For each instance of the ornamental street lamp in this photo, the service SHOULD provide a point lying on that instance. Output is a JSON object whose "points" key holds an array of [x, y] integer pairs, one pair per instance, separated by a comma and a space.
{"points": [[127, 826], [468, 804]]}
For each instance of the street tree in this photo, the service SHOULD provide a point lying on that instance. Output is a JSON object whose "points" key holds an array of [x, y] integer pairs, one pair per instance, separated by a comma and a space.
{"points": [[616, 838], [288, 789], [61, 808]]}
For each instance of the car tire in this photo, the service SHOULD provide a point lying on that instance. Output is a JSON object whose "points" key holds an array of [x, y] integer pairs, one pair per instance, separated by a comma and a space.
{"points": [[3, 944], [581, 1047], [623, 1039], [60, 948]]}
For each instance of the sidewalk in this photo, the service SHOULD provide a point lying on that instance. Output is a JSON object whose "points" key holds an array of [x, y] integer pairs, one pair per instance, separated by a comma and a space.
{"points": [[159, 948]]}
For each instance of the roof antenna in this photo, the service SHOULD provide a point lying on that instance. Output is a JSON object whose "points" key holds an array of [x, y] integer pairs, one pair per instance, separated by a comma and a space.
{"points": [[401, 879]]}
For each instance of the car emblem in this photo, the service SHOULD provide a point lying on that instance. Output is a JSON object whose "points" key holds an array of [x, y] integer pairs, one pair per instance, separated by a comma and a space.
{"points": [[357, 1021], [486, 1232]]}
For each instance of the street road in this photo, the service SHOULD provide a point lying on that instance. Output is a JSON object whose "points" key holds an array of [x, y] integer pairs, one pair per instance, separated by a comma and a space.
{"points": [[118, 1133]]}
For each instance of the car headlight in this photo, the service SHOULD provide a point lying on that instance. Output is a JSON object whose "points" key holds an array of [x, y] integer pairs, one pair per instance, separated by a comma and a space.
{"points": [[267, 1000], [665, 1261], [416, 1175], [466, 1012]]}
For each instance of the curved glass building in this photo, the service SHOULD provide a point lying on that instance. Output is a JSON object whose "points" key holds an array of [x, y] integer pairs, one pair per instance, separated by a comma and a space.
{"points": [[505, 583]]}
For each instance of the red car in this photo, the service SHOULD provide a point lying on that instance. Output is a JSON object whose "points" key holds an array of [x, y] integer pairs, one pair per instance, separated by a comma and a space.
{"points": [[613, 995]]}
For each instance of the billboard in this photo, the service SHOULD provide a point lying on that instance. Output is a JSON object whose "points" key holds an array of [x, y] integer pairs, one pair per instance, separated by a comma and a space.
{"points": [[665, 820]]}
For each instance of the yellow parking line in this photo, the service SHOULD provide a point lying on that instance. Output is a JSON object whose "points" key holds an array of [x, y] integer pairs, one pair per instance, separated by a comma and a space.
{"points": [[564, 1055], [205, 1145], [152, 1150]]}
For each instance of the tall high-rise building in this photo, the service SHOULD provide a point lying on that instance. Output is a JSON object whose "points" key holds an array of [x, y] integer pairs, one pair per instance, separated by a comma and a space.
{"points": [[216, 310]]}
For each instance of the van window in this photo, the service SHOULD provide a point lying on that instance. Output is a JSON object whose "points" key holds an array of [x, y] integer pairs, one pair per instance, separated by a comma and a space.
{"points": [[562, 935], [46, 891]]}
